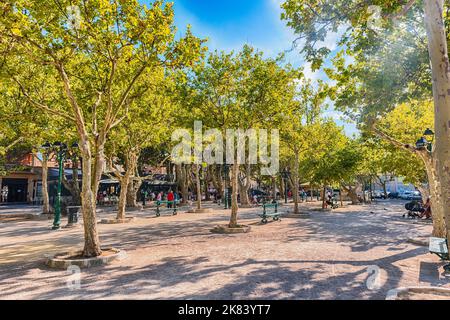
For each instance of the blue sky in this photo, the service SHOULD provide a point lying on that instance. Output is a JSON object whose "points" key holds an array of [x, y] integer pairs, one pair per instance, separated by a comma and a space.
{"points": [[229, 24]]}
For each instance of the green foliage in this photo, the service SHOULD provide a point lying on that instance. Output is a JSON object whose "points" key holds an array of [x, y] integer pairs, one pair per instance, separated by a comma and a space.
{"points": [[325, 160], [383, 59], [95, 70], [239, 90], [405, 124]]}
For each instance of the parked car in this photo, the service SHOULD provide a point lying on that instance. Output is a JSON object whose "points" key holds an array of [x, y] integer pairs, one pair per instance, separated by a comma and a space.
{"points": [[405, 195], [393, 195], [379, 194]]}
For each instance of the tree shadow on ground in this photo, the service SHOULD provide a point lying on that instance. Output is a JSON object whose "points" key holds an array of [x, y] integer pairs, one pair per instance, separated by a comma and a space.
{"points": [[173, 278], [196, 277], [362, 232]]}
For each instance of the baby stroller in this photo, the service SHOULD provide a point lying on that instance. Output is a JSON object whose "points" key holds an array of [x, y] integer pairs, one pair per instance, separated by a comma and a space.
{"points": [[333, 203], [415, 208]]}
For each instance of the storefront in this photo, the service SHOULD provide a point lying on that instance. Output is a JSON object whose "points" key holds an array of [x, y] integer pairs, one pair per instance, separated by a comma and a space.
{"points": [[18, 187]]}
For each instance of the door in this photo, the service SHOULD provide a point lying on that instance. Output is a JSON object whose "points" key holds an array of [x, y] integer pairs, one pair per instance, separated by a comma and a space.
{"points": [[16, 189]]}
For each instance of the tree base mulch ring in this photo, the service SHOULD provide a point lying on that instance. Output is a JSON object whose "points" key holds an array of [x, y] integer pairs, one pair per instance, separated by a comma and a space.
{"points": [[72, 225], [418, 241], [139, 207], [297, 215], [115, 221], [202, 210], [43, 216], [321, 209], [75, 258], [422, 221], [246, 206], [225, 229], [419, 293], [24, 216]]}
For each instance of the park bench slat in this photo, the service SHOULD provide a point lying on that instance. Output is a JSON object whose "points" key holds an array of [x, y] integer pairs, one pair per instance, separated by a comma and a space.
{"points": [[268, 214], [159, 202], [439, 247], [264, 215]]}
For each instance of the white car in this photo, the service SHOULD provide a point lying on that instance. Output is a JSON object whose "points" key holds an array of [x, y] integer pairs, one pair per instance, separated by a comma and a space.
{"points": [[405, 195]]}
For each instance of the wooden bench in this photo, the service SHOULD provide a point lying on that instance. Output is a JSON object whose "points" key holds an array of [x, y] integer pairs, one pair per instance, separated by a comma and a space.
{"points": [[160, 202], [275, 215], [439, 247]]}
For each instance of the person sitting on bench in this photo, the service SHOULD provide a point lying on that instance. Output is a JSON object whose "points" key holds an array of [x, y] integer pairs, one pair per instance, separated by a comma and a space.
{"points": [[426, 211]]}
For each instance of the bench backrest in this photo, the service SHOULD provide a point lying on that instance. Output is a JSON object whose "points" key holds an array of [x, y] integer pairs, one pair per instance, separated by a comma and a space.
{"points": [[158, 202]]}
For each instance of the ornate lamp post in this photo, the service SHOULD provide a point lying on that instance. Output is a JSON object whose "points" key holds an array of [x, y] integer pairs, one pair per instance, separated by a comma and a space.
{"points": [[61, 149]]}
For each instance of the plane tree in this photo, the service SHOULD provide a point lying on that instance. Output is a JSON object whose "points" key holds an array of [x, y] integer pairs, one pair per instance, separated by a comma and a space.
{"points": [[95, 55]]}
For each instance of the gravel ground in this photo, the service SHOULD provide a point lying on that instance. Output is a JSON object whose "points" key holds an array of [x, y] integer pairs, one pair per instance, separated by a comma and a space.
{"points": [[356, 252]]}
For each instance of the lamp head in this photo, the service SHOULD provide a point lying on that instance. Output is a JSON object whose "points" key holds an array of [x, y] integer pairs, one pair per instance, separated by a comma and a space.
{"points": [[428, 133], [421, 143]]}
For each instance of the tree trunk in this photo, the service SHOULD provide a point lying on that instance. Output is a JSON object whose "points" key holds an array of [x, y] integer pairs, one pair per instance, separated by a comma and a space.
{"points": [[295, 177], [206, 185], [244, 187], [323, 196], [437, 209], [438, 51], [216, 178], [274, 189], [281, 187], [45, 199], [198, 186], [88, 204], [424, 191], [73, 186], [92, 168], [234, 194], [384, 189], [206, 191], [182, 182], [124, 182], [352, 194], [131, 197], [127, 184]]}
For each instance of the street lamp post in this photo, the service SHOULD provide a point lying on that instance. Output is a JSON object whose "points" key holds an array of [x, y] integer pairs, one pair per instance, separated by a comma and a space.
{"points": [[61, 149]]}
